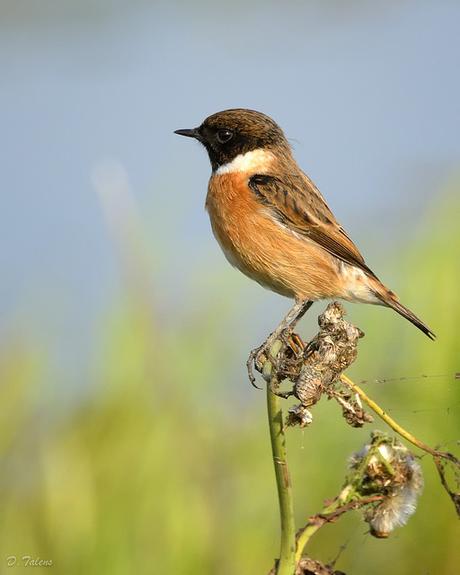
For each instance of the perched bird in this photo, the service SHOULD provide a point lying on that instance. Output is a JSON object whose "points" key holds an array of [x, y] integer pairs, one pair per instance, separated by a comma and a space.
{"points": [[273, 224]]}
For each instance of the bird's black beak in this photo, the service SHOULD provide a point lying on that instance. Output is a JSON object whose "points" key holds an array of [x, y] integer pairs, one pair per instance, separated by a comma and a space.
{"points": [[193, 133]]}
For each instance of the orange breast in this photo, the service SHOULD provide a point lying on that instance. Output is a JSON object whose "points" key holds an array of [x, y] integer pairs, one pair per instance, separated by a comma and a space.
{"points": [[262, 248]]}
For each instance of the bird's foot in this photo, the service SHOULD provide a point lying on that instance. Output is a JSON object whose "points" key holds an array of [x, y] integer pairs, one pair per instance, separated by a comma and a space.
{"points": [[276, 357], [265, 358], [272, 358]]}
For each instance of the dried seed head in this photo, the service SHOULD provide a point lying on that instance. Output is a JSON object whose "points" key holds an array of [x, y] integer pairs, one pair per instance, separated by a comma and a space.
{"points": [[387, 468]]}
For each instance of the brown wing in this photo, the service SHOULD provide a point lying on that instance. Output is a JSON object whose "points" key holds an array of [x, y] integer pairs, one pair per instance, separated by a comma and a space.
{"points": [[296, 203]]}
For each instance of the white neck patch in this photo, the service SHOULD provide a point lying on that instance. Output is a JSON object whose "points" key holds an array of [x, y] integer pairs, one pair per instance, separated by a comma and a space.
{"points": [[254, 161]]}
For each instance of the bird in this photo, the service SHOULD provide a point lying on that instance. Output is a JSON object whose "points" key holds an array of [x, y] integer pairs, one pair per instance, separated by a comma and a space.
{"points": [[273, 224]]}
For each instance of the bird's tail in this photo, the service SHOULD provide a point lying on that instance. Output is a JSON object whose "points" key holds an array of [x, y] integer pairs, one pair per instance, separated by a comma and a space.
{"points": [[389, 299]]}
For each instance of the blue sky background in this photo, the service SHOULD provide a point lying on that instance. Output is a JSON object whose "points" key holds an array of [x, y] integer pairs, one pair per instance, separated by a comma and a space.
{"points": [[368, 92]]}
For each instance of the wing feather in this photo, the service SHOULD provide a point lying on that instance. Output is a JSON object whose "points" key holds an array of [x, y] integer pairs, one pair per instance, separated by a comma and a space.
{"points": [[297, 203]]}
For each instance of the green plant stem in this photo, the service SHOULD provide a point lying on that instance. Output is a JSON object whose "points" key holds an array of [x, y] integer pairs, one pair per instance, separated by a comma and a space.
{"points": [[310, 529], [287, 563], [331, 513]]}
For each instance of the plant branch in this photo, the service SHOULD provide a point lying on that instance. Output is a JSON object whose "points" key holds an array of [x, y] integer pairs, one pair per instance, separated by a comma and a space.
{"points": [[389, 472], [329, 514], [394, 425]]}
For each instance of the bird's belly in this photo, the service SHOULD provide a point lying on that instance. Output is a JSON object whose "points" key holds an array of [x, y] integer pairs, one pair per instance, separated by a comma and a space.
{"points": [[259, 271], [265, 250]]}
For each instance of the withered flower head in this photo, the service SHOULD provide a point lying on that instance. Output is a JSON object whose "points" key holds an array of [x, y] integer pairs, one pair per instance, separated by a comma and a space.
{"points": [[386, 467]]}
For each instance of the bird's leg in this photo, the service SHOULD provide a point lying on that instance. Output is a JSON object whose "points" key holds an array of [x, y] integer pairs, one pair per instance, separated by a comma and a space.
{"points": [[283, 332]]}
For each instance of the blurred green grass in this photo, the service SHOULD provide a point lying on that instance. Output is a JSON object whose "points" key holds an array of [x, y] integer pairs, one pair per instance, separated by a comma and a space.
{"points": [[157, 469]]}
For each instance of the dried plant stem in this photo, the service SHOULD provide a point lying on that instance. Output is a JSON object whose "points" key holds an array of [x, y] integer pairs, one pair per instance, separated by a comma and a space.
{"points": [[390, 421], [286, 564]]}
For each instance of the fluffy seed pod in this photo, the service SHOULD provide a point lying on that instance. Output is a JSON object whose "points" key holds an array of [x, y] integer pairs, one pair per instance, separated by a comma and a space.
{"points": [[389, 469]]}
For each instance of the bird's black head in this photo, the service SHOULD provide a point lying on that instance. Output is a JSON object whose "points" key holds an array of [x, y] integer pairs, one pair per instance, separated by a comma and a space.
{"points": [[227, 134]]}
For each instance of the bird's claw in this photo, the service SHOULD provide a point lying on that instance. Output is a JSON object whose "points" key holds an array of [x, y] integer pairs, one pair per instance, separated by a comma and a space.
{"points": [[253, 361], [260, 355], [291, 347], [257, 359]]}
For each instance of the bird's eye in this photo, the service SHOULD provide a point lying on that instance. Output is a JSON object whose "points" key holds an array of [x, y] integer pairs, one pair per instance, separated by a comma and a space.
{"points": [[224, 136]]}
